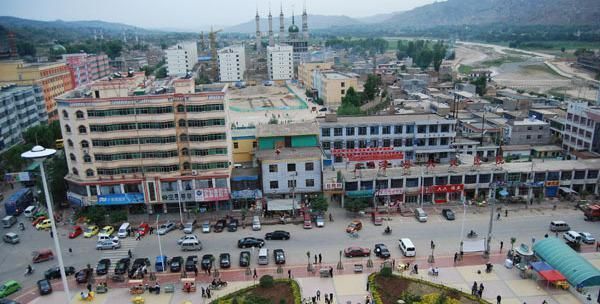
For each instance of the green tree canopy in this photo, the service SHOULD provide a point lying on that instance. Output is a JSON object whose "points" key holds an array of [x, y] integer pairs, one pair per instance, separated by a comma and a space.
{"points": [[319, 204], [356, 204]]}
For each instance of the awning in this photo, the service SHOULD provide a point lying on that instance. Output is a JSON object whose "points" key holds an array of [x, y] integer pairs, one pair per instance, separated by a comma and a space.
{"points": [[503, 192], [246, 194], [244, 178], [567, 190], [282, 204], [120, 199], [360, 193], [540, 266], [552, 275], [569, 263]]}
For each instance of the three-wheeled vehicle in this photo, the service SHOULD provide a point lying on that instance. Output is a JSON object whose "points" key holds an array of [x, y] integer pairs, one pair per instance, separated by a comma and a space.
{"points": [[136, 287]]}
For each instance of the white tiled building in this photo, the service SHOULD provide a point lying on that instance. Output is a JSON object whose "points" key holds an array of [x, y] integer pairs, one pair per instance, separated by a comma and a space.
{"points": [[232, 63], [582, 128], [21, 107], [280, 62], [181, 58]]}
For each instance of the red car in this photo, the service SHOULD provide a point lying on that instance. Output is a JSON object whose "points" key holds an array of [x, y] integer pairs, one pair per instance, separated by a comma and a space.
{"points": [[351, 252], [38, 220], [77, 230], [143, 229]]}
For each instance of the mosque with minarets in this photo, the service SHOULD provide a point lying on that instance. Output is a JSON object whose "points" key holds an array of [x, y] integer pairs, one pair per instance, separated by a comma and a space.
{"points": [[295, 37]]}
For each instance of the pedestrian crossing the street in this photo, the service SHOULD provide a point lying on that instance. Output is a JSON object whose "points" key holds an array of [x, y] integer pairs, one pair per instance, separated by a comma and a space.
{"points": [[117, 254]]}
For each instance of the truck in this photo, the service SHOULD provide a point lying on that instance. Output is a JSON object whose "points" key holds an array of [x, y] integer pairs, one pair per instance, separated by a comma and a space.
{"points": [[18, 201], [591, 212]]}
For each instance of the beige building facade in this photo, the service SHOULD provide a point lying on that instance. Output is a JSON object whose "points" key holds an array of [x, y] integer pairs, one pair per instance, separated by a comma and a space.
{"points": [[305, 72], [332, 86]]}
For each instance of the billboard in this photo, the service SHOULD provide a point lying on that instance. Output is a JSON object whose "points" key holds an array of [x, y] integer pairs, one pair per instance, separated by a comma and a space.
{"points": [[368, 154]]}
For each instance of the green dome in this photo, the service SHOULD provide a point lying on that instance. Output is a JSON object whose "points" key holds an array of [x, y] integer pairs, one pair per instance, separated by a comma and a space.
{"points": [[293, 29]]}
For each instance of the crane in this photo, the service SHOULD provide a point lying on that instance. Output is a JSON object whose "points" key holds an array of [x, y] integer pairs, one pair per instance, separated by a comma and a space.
{"points": [[212, 38]]}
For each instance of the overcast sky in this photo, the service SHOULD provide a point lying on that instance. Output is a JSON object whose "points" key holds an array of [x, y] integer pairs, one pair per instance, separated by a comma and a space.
{"points": [[190, 14]]}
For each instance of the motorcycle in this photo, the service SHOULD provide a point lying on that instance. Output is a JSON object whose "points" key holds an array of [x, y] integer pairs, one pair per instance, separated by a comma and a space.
{"points": [[472, 234], [387, 231], [29, 271], [488, 267], [21, 226], [217, 285]]}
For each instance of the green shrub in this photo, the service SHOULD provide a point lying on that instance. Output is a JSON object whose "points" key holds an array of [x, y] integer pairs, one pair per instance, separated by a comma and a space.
{"points": [[266, 281], [386, 271]]}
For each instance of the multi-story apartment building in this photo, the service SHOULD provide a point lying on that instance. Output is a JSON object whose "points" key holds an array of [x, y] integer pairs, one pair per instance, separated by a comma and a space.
{"points": [[21, 107], [280, 62], [529, 131], [54, 79], [290, 159], [306, 69], [582, 128], [181, 58], [145, 147], [232, 63], [244, 144], [332, 86], [87, 67], [419, 137]]}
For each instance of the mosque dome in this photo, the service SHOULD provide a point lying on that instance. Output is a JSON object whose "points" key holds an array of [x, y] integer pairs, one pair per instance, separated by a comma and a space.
{"points": [[293, 29]]}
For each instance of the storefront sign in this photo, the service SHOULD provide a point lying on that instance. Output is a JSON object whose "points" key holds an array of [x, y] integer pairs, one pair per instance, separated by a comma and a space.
{"points": [[74, 199], [359, 193], [211, 194], [389, 191], [121, 199], [246, 194], [368, 154], [445, 188], [552, 183]]}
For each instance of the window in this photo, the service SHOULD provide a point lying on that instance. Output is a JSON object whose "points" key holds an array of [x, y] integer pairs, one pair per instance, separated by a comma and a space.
{"points": [[343, 92], [343, 84], [291, 167], [529, 128], [362, 130], [309, 166], [87, 158], [75, 171], [362, 143], [79, 114], [456, 179], [274, 185], [326, 132], [185, 152], [386, 130], [72, 156], [338, 144], [409, 142], [70, 143], [592, 174], [470, 179], [89, 172], [412, 182], [350, 131], [253, 144], [65, 114], [432, 141], [326, 145], [580, 174], [445, 128], [67, 128], [397, 142], [421, 129], [85, 144], [310, 182], [565, 175], [350, 144], [337, 131], [428, 181], [528, 136], [272, 168], [441, 180], [374, 130], [443, 141], [236, 145], [398, 129], [410, 129], [292, 183], [539, 137], [386, 143], [433, 129], [484, 178], [82, 130]]}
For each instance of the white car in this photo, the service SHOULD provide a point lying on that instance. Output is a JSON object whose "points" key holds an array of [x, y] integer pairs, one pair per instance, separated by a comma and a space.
{"points": [[105, 237], [587, 238], [187, 237], [320, 221], [108, 244], [189, 227], [206, 227]]}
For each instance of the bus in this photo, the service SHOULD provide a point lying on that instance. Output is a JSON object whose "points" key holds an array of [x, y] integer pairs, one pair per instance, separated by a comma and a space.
{"points": [[18, 201], [59, 144]]}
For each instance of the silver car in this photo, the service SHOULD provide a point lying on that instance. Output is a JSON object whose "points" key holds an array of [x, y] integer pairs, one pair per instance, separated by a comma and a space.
{"points": [[11, 238], [108, 244], [189, 227], [587, 238], [206, 227], [166, 227], [320, 221], [192, 237]]}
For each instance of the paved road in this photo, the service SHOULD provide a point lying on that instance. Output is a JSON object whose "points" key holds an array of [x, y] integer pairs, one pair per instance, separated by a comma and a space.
{"points": [[522, 224]]}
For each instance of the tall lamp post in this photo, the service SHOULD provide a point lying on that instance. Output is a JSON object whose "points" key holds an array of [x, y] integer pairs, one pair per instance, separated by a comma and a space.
{"points": [[38, 154]]}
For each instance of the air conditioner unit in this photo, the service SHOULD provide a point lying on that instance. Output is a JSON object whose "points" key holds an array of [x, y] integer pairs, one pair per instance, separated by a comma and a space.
{"points": [[194, 172]]}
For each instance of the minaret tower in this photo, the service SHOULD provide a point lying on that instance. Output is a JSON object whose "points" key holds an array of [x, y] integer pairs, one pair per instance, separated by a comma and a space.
{"points": [[258, 40], [305, 23], [271, 38], [281, 25]]}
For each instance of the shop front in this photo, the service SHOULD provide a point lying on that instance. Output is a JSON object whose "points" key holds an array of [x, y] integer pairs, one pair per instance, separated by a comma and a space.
{"points": [[245, 199], [441, 194], [212, 199]]}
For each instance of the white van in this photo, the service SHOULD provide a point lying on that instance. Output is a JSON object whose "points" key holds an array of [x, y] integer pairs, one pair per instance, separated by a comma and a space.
{"points": [[105, 237], [191, 245], [122, 233], [30, 211], [572, 236], [263, 256], [407, 247], [8, 221], [421, 215], [256, 223], [559, 226]]}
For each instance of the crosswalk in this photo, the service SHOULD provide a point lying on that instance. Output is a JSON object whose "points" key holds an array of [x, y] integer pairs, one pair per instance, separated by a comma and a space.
{"points": [[117, 254]]}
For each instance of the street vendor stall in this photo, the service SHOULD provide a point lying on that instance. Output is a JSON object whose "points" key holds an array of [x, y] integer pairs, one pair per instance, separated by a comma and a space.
{"points": [[555, 278], [189, 285], [136, 287]]}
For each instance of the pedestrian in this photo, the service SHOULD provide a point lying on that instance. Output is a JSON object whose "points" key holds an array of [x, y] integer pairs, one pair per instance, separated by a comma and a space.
{"points": [[255, 275], [320, 258], [367, 285], [532, 241], [480, 289], [315, 259], [501, 245], [289, 274], [498, 299], [314, 300], [505, 212], [203, 292], [474, 288], [137, 236], [546, 236], [331, 271], [498, 216], [51, 234], [416, 269], [330, 217], [597, 249], [318, 295], [394, 264], [89, 287], [129, 254], [480, 293], [208, 293], [209, 271], [326, 296], [331, 297], [195, 271], [70, 250], [456, 256]]}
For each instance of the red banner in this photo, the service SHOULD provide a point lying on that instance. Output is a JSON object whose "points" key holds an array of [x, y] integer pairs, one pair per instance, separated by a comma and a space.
{"points": [[445, 188], [368, 154], [211, 194]]}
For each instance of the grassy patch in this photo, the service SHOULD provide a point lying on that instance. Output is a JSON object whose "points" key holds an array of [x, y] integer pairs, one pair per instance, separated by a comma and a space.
{"points": [[465, 69], [500, 61], [557, 45]]}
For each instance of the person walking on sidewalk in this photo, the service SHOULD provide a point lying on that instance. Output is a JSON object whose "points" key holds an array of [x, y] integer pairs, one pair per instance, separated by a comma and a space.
{"points": [[320, 258], [498, 299], [455, 257], [289, 274], [315, 258], [505, 212], [501, 245], [474, 288], [318, 295]]}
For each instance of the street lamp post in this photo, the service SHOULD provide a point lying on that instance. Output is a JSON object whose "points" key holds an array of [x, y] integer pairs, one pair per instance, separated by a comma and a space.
{"points": [[39, 154]]}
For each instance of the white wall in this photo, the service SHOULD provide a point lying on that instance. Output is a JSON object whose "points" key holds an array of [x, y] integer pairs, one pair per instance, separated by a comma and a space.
{"points": [[232, 64], [282, 176], [280, 61]]}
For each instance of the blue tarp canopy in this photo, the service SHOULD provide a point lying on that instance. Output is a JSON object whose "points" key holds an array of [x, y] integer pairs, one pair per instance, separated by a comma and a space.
{"points": [[360, 193], [120, 199], [244, 178], [503, 192], [577, 270], [248, 194], [540, 266]]}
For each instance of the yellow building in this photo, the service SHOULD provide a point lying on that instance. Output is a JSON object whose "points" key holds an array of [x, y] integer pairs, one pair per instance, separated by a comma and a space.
{"points": [[54, 79], [244, 144], [305, 72], [332, 87]]}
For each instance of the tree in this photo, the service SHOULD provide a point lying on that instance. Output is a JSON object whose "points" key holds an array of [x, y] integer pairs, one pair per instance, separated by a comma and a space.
{"points": [[424, 58], [266, 281], [57, 169], [371, 87], [25, 48], [113, 48], [356, 204], [351, 98], [439, 52], [480, 84], [161, 73], [319, 204]]}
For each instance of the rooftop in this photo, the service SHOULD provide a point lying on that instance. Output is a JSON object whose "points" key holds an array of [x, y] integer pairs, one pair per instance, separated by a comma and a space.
{"points": [[243, 132], [516, 148], [289, 153], [391, 119], [546, 148], [336, 75], [293, 129], [527, 122]]}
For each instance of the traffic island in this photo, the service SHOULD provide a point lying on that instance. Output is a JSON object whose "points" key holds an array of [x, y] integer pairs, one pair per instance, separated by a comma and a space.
{"points": [[268, 290]]}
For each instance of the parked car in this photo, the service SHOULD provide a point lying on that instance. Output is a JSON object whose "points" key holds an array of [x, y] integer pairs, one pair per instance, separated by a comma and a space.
{"points": [[189, 227], [54, 272], [83, 275], [38, 220], [176, 264], [140, 262], [587, 238], [220, 225], [277, 235], [75, 232], [191, 262], [103, 266], [8, 301], [279, 256], [356, 251], [143, 229], [225, 260], [108, 230], [122, 266], [8, 288], [206, 227], [90, 231], [355, 225], [192, 237], [320, 221], [44, 287], [11, 238], [45, 224], [166, 228], [207, 261], [233, 225], [381, 251], [248, 242], [448, 214], [108, 244], [245, 258]]}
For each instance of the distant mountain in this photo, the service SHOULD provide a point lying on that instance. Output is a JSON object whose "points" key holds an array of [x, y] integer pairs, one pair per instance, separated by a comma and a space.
{"points": [[513, 12], [378, 18], [314, 22], [14, 22]]}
